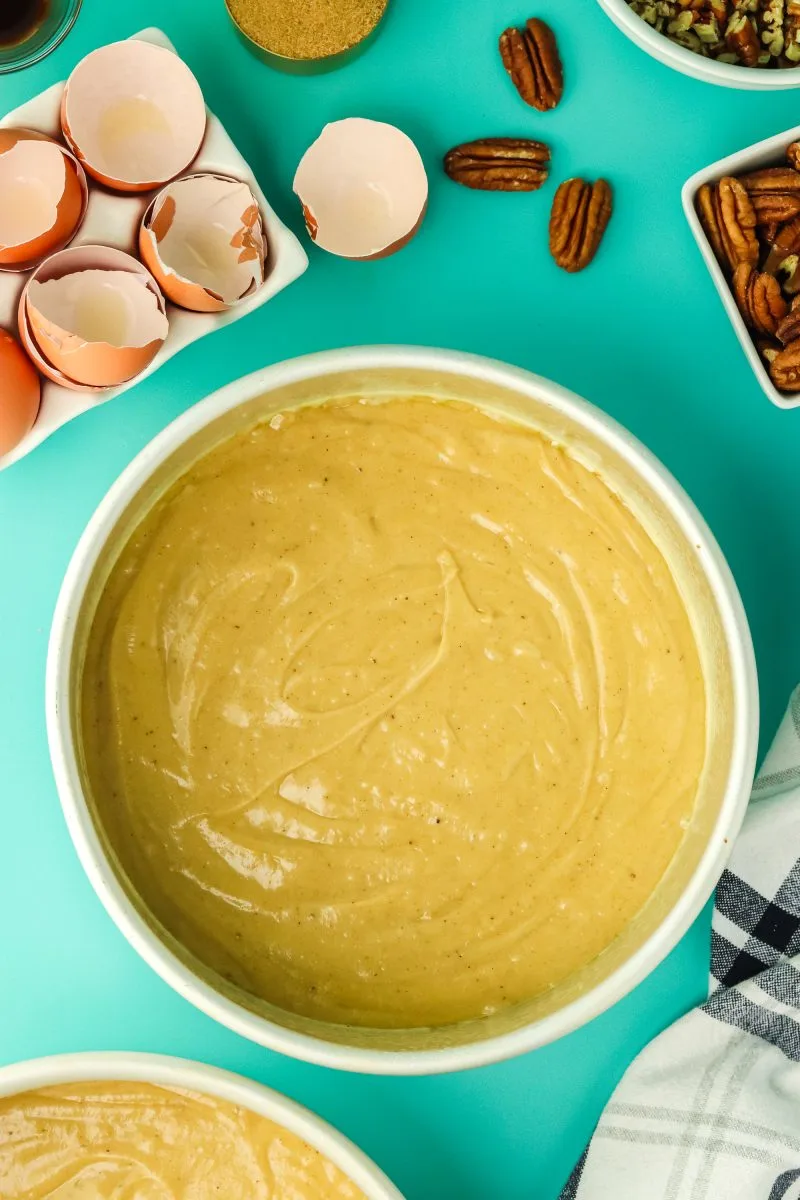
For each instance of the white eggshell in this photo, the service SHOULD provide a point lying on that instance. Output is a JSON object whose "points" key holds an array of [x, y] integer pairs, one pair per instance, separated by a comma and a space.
{"points": [[134, 115], [203, 240], [363, 188], [95, 314]]}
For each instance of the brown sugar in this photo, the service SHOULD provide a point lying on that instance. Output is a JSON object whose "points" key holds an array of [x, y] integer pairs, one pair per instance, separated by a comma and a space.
{"points": [[306, 29]]}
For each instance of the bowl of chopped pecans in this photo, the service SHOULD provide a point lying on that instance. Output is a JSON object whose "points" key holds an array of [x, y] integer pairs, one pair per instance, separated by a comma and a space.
{"points": [[749, 44]]}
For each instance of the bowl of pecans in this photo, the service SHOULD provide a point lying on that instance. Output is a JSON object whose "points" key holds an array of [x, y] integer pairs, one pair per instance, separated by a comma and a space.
{"points": [[749, 44], [744, 212]]}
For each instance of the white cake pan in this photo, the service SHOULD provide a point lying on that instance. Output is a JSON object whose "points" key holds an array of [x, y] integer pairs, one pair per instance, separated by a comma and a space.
{"points": [[712, 602], [163, 1071]]}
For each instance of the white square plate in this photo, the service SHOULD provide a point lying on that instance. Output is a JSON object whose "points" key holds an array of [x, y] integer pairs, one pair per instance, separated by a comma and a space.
{"points": [[112, 219]]}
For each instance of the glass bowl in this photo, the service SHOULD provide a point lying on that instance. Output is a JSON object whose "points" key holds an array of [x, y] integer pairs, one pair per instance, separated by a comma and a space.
{"points": [[58, 18]]}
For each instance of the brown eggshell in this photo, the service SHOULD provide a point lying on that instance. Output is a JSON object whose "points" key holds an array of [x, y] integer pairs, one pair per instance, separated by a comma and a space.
{"points": [[34, 154], [20, 393], [102, 280], [133, 114], [363, 189], [189, 222], [38, 359]]}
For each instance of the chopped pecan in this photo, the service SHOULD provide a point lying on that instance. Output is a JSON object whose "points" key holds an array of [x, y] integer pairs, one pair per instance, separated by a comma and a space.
{"points": [[793, 155], [741, 38], [727, 215], [785, 368], [531, 57], [788, 329], [499, 164], [768, 348], [581, 212], [759, 298], [789, 275], [782, 240]]}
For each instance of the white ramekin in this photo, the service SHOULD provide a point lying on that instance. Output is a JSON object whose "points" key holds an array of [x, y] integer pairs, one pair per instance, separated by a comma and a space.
{"points": [[769, 153], [164, 1071], [610, 977], [659, 46]]}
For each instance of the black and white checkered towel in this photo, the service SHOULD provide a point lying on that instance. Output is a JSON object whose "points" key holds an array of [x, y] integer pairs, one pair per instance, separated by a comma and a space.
{"points": [[711, 1109]]}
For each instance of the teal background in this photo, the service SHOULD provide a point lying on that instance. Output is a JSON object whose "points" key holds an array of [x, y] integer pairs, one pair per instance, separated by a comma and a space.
{"points": [[641, 333]]}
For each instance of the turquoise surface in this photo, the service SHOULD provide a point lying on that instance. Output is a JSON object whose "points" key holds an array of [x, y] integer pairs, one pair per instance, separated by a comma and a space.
{"points": [[641, 333]]}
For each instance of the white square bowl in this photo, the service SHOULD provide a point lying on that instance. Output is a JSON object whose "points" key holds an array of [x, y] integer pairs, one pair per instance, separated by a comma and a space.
{"points": [[769, 153]]}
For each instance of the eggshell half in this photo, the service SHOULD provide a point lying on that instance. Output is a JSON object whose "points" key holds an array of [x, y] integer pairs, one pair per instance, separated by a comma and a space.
{"points": [[95, 314], [203, 240], [363, 188], [43, 198], [20, 393], [134, 115]]}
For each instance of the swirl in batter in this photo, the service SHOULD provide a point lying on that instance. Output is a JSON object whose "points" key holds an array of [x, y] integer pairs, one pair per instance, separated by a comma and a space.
{"points": [[134, 1141], [393, 713]]}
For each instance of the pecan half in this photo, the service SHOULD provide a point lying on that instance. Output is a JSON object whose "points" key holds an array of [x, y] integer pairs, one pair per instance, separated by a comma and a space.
{"points": [[775, 193], [531, 57], [759, 298], [499, 164], [785, 368], [581, 212], [788, 329], [772, 179], [741, 38], [707, 204], [775, 208], [793, 155], [727, 215]]}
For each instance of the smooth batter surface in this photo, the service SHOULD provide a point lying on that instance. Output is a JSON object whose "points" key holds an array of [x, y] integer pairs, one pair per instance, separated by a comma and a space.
{"points": [[134, 1141], [393, 713]]}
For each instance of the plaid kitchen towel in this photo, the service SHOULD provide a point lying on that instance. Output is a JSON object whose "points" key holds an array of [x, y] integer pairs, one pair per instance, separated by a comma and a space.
{"points": [[711, 1109]]}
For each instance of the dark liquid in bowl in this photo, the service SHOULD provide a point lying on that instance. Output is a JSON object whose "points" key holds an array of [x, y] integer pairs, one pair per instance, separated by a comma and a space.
{"points": [[20, 19]]}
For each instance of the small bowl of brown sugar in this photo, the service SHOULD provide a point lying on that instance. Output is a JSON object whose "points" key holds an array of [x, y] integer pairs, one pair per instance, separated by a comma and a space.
{"points": [[306, 35]]}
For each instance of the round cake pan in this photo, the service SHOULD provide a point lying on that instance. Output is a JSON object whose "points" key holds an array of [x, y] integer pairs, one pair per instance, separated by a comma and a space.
{"points": [[708, 591], [163, 1071]]}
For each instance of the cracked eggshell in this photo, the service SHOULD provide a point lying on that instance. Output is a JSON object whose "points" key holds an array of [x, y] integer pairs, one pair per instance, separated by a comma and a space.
{"points": [[95, 316], [134, 115], [363, 188], [20, 393], [204, 242], [43, 198]]}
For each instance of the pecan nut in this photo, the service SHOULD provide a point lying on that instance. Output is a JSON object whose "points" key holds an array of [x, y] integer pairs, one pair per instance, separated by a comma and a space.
{"points": [[581, 212], [499, 164], [729, 220], [741, 38], [782, 241], [771, 179], [793, 155], [531, 57], [759, 298], [788, 330], [775, 194], [767, 347], [785, 368], [775, 208]]}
